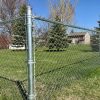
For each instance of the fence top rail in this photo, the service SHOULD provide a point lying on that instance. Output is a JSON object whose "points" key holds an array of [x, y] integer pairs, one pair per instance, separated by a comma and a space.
{"points": [[68, 25]]}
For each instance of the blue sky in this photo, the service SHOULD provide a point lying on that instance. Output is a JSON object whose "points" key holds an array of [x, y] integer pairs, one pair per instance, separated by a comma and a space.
{"points": [[87, 12]]}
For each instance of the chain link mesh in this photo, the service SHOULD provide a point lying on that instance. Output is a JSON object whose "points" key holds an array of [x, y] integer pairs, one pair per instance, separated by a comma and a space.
{"points": [[66, 73], [13, 64], [67, 65]]}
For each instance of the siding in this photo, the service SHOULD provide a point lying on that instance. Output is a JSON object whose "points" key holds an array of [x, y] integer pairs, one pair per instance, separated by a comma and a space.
{"points": [[4, 42], [87, 38]]}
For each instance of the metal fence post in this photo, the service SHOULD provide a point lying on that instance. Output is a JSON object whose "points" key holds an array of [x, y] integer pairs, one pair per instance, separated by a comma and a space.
{"points": [[30, 58], [34, 60]]}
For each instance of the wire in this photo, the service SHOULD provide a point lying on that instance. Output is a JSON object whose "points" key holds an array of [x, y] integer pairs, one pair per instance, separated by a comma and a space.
{"points": [[56, 22]]}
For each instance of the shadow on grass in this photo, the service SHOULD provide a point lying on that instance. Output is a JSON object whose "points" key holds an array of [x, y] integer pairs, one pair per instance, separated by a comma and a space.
{"points": [[19, 85], [57, 69], [87, 51], [54, 50], [90, 51]]}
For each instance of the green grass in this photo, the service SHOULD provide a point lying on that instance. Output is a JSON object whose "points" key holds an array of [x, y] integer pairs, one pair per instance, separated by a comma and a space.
{"points": [[73, 74], [12, 64]]}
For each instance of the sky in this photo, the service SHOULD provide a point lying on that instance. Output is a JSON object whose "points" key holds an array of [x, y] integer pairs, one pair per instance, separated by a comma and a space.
{"points": [[87, 12]]}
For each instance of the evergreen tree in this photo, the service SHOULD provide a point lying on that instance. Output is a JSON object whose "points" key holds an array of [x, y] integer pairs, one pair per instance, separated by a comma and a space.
{"points": [[57, 39], [19, 27], [95, 40]]}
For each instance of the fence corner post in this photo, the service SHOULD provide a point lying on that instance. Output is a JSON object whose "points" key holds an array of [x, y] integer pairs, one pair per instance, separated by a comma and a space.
{"points": [[31, 95]]}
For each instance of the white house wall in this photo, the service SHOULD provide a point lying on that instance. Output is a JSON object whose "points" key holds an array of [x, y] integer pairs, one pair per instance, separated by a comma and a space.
{"points": [[87, 38]]}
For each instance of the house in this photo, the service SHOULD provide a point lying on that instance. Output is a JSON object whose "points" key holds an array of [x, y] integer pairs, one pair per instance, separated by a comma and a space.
{"points": [[17, 43], [79, 38], [4, 41]]}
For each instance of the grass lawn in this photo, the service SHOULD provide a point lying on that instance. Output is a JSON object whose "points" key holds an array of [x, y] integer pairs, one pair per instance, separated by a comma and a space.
{"points": [[73, 74]]}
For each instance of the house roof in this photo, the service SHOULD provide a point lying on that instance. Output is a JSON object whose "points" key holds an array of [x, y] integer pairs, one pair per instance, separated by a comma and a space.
{"points": [[77, 34]]}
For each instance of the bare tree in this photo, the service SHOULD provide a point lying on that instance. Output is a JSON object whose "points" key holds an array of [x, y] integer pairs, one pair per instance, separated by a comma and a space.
{"points": [[63, 8], [8, 10]]}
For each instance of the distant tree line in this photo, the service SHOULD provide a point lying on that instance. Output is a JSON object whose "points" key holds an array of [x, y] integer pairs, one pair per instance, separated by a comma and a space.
{"points": [[56, 35]]}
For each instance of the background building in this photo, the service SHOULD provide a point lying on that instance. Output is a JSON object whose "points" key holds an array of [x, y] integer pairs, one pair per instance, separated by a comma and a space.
{"points": [[79, 38]]}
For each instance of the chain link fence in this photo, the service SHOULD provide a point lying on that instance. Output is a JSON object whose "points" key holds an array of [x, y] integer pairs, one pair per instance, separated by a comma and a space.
{"points": [[67, 63], [13, 63], [67, 60]]}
